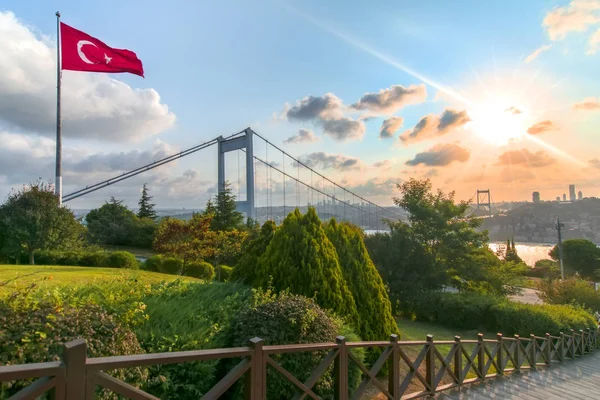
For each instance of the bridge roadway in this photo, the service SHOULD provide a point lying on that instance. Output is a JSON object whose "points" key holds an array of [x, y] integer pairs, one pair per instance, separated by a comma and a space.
{"points": [[573, 379]]}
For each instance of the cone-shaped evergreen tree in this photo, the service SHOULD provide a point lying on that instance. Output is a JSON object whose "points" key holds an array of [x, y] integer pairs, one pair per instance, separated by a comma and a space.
{"points": [[146, 209], [302, 259], [372, 302], [245, 269]]}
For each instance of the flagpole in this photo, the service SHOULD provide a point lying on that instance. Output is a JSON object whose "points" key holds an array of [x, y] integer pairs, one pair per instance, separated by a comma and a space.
{"points": [[58, 183]]}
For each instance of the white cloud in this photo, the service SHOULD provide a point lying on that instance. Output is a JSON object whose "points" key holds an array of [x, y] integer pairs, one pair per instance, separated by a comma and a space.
{"points": [[594, 43], [537, 52], [94, 106], [577, 16], [303, 136]]}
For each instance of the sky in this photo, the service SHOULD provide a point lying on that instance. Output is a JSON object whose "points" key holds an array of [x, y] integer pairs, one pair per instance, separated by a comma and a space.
{"points": [[499, 95]]}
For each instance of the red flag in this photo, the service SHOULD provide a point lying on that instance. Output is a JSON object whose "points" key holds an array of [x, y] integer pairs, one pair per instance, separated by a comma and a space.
{"points": [[81, 52]]}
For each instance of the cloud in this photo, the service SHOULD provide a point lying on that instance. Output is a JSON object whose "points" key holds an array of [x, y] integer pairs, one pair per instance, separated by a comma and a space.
{"points": [[595, 163], [441, 155], [344, 128], [390, 126], [432, 126], [303, 136], [594, 43], [337, 162], [516, 174], [94, 106], [541, 127], [577, 16], [390, 100], [588, 104], [513, 110], [383, 164], [326, 111], [374, 187], [537, 52], [525, 157]]}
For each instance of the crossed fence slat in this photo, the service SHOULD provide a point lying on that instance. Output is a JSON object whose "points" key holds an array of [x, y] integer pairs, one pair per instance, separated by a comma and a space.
{"points": [[77, 377]]}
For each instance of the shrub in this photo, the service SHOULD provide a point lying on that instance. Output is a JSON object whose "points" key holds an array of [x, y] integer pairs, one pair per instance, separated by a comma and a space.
{"points": [[154, 263], [82, 258], [570, 291], [36, 332], [122, 259], [224, 273], [199, 269], [94, 259], [245, 269], [544, 269], [171, 265], [288, 319]]}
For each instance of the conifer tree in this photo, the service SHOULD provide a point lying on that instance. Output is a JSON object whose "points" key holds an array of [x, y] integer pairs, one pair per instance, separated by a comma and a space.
{"points": [[226, 217], [245, 269], [302, 259], [146, 209], [376, 321], [210, 208]]}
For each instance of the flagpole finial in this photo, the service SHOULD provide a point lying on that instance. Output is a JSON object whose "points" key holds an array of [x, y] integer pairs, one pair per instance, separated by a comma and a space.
{"points": [[57, 14]]}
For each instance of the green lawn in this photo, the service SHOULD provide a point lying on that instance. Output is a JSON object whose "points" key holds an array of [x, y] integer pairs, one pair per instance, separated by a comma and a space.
{"points": [[415, 330], [19, 276]]}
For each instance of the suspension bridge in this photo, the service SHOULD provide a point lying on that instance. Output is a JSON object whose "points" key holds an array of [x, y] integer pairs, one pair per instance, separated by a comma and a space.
{"points": [[284, 182]]}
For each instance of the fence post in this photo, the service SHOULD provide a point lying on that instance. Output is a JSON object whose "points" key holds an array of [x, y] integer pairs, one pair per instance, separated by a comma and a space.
{"points": [[549, 344], [458, 360], [517, 353], [430, 365], [74, 357], [394, 368], [562, 347], [533, 351], [573, 348], [340, 366], [256, 380], [481, 355], [582, 342], [500, 355]]}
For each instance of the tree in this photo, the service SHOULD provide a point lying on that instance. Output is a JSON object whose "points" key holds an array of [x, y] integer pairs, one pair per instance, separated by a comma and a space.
{"points": [[302, 259], [189, 241], [245, 269], [112, 224], [511, 254], [376, 321], [32, 219], [226, 217], [146, 209], [579, 256]]}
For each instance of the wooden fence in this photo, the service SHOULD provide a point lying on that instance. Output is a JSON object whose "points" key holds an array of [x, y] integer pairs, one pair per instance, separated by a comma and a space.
{"points": [[432, 366]]}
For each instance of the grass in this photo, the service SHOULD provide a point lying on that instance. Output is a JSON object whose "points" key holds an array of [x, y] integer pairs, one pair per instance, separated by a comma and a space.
{"points": [[18, 276]]}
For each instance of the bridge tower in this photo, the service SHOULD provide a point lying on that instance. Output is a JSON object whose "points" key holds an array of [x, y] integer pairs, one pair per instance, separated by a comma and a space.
{"points": [[484, 201], [244, 141]]}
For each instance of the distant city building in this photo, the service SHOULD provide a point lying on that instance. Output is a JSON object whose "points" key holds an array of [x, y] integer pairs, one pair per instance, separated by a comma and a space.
{"points": [[557, 198], [580, 195], [564, 197], [572, 193], [536, 197]]}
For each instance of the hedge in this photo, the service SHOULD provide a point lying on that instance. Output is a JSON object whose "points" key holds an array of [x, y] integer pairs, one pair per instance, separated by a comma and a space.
{"points": [[199, 269], [82, 258], [475, 311]]}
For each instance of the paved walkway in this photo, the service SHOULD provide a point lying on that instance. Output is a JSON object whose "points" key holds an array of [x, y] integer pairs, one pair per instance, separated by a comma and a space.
{"points": [[573, 379]]}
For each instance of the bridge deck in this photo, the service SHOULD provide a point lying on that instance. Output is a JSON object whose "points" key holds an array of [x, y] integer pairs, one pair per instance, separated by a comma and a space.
{"points": [[574, 379]]}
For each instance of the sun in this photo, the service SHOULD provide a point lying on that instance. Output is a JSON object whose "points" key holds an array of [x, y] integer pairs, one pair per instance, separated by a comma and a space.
{"points": [[499, 121]]}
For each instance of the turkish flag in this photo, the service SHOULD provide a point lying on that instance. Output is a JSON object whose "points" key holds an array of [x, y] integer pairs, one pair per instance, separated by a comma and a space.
{"points": [[81, 52]]}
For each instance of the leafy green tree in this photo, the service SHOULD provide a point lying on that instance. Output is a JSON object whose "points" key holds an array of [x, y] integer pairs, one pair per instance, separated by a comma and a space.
{"points": [[580, 256], [187, 240], [32, 219], [146, 208], [112, 224], [302, 259], [245, 269], [376, 321], [225, 214]]}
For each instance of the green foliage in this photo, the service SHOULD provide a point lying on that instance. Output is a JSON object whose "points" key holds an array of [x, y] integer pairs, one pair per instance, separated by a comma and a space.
{"points": [[547, 269], [224, 211], [372, 302], [122, 259], [511, 254], [245, 269], [288, 319], [171, 265], [154, 263], [36, 221], [36, 332], [302, 259], [146, 209], [580, 256], [224, 273], [496, 314], [570, 291], [199, 269], [144, 230]]}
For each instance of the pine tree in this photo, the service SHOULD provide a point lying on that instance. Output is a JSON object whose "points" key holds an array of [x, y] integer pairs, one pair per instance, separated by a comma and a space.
{"points": [[511, 252], [226, 217], [146, 209], [302, 259], [210, 208], [245, 269], [372, 301]]}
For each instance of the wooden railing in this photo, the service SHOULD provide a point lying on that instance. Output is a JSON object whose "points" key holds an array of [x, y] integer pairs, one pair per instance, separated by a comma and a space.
{"points": [[415, 369]]}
